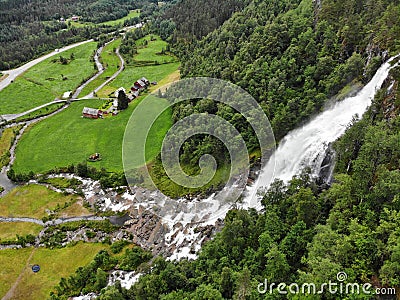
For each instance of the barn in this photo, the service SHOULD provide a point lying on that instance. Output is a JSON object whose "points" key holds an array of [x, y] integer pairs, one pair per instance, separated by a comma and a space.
{"points": [[91, 113]]}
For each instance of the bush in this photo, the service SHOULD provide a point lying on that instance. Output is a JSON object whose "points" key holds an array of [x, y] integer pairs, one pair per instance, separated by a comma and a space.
{"points": [[118, 246]]}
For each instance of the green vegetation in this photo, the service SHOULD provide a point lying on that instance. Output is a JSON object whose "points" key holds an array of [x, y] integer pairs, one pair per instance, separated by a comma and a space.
{"points": [[305, 233], [40, 112], [48, 80], [28, 32], [61, 182], [131, 74], [110, 62], [93, 277], [31, 201], [6, 140], [54, 264], [67, 138], [152, 49], [290, 56], [132, 14], [12, 262], [9, 231], [140, 48]]}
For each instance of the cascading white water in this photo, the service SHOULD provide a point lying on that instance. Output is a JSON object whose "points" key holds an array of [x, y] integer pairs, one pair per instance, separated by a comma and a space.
{"points": [[307, 145]]}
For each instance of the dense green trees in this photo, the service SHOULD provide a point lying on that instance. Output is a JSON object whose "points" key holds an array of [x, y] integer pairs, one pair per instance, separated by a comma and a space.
{"points": [[123, 101], [31, 28], [305, 234], [94, 276], [290, 56]]}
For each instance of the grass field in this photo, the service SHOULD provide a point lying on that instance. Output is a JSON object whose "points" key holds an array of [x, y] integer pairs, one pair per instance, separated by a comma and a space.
{"points": [[132, 14], [68, 138], [131, 74], [47, 80], [12, 263], [8, 231], [152, 72], [31, 201], [54, 264], [110, 61], [40, 112], [6, 141], [149, 49]]}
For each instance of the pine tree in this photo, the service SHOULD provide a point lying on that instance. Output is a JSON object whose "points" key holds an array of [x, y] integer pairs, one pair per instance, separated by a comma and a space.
{"points": [[122, 101]]}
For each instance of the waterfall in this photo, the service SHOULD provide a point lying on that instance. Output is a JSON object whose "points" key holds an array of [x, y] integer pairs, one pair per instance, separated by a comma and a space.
{"points": [[307, 145]]}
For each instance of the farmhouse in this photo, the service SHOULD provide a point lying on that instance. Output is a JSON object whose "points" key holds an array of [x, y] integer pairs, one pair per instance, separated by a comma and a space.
{"points": [[135, 94], [139, 85], [146, 82], [91, 113]]}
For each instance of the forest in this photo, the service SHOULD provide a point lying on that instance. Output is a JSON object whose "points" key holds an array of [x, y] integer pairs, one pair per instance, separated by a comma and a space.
{"points": [[31, 28], [305, 233], [291, 56]]}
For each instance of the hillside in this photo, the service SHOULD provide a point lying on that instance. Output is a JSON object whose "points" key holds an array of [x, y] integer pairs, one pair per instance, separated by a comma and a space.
{"points": [[31, 28], [294, 55], [307, 63]]}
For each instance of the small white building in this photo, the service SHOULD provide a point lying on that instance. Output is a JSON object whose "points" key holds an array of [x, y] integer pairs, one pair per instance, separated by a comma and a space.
{"points": [[117, 92], [67, 95]]}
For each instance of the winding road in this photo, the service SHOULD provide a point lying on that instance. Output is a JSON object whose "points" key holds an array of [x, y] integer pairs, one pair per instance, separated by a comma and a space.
{"points": [[12, 74], [5, 182]]}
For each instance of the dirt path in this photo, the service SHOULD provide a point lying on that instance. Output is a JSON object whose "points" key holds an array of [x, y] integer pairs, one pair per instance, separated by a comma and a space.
{"points": [[11, 291]]}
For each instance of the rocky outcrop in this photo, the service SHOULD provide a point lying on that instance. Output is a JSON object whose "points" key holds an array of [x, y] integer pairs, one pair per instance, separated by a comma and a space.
{"points": [[327, 166]]}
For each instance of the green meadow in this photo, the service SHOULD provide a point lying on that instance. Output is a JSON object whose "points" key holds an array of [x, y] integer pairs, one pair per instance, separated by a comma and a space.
{"points": [[48, 80], [54, 264], [132, 14], [131, 74], [68, 138], [31, 201], [144, 66], [150, 48], [9, 231], [12, 263]]}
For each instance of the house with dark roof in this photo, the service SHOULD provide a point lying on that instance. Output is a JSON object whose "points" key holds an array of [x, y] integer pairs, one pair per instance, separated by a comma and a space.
{"points": [[139, 85]]}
